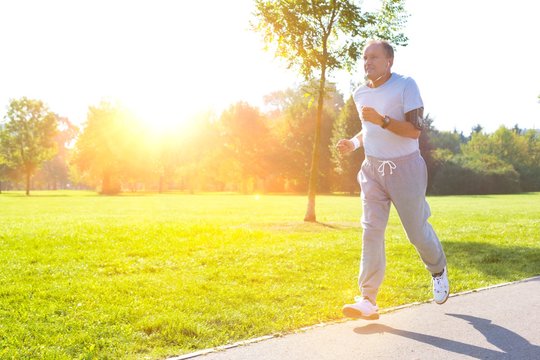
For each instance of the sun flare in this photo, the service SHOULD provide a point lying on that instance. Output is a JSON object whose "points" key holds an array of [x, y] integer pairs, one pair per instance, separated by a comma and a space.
{"points": [[159, 114]]}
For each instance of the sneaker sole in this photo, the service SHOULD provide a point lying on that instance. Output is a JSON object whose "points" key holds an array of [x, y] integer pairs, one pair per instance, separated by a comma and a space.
{"points": [[442, 302], [355, 314]]}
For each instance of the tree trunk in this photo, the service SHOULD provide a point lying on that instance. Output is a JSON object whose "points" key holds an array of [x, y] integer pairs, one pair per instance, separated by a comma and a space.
{"points": [[161, 180], [28, 183], [314, 172], [109, 185]]}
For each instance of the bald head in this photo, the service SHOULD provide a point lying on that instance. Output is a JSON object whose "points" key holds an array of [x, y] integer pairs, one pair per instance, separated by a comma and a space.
{"points": [[387, 48], [378, 61]]}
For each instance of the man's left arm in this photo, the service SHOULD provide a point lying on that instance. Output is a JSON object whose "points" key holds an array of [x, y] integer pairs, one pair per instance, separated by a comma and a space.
{"points": [[411, 127]]}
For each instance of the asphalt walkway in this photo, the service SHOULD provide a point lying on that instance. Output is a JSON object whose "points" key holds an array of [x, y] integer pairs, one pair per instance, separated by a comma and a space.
{"points": [[501, 322]]}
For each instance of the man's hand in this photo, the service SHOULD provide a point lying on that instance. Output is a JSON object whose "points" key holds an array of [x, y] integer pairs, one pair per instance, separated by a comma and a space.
{"points": [[371, 115], [345, 146]]}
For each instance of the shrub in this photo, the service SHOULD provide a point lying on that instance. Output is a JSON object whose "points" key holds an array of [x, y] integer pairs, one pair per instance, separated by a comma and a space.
{"points": [[479, 174]]}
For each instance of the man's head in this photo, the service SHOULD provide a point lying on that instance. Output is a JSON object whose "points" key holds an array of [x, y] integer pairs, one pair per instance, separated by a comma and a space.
{"points": [[378, 59]]}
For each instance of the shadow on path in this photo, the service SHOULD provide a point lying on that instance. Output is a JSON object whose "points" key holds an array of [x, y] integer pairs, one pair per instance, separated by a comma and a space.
{"points": [[513, 346]]}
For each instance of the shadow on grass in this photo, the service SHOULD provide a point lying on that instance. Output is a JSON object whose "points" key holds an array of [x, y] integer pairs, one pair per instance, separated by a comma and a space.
{"points": [[494, 260], [48, 194], [328, 225], [483, 196], [513, 345]]}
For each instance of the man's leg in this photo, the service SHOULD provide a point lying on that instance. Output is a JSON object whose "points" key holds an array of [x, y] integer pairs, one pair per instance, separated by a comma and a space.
{"points": [[407, 187], [376, 208]]}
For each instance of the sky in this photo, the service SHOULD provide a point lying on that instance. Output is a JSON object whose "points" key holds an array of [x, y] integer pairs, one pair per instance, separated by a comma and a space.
{"points": [[476, 62]]}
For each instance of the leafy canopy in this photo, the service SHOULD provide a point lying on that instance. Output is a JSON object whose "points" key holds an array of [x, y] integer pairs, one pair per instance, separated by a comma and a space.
{"points": [[27, 135], [329, 34]]}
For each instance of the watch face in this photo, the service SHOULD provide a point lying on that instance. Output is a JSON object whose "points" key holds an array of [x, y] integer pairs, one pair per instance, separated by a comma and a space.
{"points": [[385, 122]]}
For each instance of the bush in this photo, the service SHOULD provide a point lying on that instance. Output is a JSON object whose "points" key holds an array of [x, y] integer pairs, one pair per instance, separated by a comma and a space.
{"points": [[480, 174]]}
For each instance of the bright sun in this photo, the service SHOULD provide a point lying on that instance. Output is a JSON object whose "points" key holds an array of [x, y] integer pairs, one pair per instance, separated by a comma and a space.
{"points": [[165, 110], [158, 116]]}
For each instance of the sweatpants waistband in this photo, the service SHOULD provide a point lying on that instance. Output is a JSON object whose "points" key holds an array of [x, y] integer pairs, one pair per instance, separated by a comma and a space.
{"points": [[397, 160]]}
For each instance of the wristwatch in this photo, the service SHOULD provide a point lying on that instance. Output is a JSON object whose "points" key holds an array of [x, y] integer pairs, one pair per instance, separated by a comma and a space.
{"points": [[385, 122]]}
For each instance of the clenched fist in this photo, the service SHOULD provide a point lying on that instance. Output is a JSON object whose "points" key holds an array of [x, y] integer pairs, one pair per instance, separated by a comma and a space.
{"points": [[345, 146], [371, 115]]}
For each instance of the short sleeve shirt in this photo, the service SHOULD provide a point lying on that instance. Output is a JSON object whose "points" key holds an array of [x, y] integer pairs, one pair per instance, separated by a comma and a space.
{"points": [[397, 96]]}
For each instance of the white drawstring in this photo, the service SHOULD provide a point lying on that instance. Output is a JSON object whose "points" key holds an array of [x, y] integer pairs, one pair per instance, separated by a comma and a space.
{"points": [[390, 164]]}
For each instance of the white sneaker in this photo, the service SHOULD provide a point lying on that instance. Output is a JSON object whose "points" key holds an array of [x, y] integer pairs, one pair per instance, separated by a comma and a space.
{"points": [[362, 309], [441, 287]]}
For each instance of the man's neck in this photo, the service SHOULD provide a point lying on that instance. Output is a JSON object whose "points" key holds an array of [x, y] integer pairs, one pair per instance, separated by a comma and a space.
{"points": [[380, 80]]}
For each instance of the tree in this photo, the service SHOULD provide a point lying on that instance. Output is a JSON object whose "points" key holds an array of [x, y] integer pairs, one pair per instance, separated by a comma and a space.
{"points": [[512, 147], [347, 125], [427, 148], [111, 147], [477, 129], [165, 156], [319, 36], [475, 173], [530, 176], [291, 117], [449, 140], [27, 137], [4, 171], [245, 136], [55, 172], [200, 161]]}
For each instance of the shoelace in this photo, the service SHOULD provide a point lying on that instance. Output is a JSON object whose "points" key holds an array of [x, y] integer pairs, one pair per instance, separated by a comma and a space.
{"points": [[358, 298], [390, 164], [438, 280], [361, 298], [439, 285]]}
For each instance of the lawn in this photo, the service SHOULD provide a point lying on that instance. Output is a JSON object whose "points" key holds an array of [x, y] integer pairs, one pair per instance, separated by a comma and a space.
{"points": [[149, 276]]}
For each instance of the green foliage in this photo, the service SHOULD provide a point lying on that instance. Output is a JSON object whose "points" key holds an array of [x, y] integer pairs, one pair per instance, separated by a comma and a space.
{"points": [[512, 148], [480, 174], [111, 148], [506, 161], [151, 276], [27, 136], [4, 174], [246, 143], [293, 115], [319, 36], [389, 22], [200, 156], [426, 147], [346, 167], [54, 173], [326, 34], [530, 174], [450, 140]]}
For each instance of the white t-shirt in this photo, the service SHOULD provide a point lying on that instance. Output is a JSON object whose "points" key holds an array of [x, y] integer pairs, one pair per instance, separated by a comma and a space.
{"points": [[397, 96]]}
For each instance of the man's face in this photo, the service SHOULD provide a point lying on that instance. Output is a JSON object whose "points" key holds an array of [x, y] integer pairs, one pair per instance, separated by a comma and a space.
{"points": [[376, 62]]}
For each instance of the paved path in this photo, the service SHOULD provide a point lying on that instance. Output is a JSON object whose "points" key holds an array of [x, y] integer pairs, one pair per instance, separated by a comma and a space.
{"points": [[496, 323]]}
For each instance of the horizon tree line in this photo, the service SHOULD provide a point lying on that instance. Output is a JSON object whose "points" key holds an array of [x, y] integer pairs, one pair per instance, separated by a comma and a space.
{"points": [[243, 150]]}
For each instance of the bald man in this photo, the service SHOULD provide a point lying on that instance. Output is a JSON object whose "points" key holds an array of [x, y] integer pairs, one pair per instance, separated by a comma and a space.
{"points": [[394, 172]]}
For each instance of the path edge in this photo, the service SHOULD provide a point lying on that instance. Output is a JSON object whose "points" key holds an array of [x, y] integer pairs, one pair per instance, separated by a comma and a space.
{"points": [[339, 321]]}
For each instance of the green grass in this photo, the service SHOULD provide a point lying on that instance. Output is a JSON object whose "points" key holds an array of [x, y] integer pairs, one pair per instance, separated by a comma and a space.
{"points": [[84, 276]]}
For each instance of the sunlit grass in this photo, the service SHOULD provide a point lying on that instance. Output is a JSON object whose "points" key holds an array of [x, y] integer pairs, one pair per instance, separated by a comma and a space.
{"points": [[147, 276]]}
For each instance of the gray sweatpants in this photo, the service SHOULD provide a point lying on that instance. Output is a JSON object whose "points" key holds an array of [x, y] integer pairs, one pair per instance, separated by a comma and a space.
{"points": [[403, 182]]}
